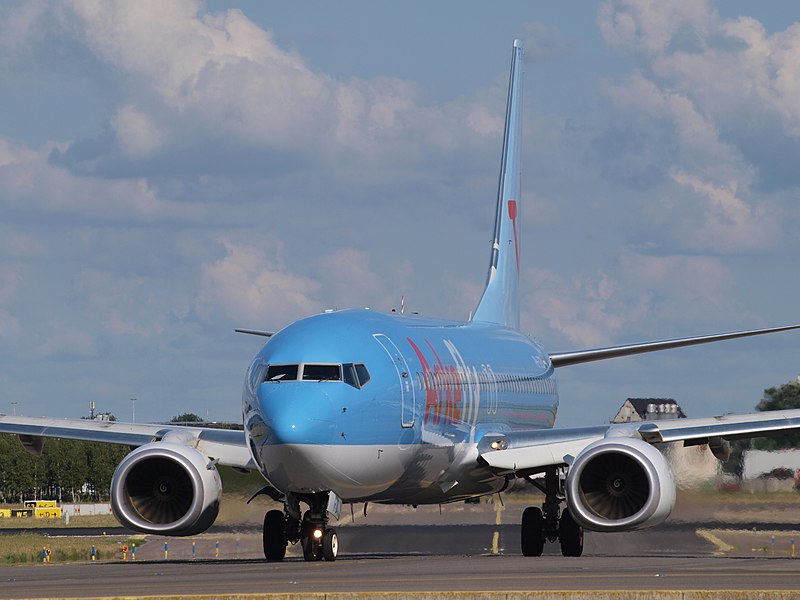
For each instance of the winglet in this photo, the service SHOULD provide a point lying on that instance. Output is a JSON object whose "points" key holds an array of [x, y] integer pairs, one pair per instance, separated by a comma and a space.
{"points": [[500, 301]]}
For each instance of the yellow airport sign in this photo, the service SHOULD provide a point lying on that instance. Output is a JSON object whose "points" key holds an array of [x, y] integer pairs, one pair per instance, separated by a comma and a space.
{"points": [[41, 503], [53, 512]]}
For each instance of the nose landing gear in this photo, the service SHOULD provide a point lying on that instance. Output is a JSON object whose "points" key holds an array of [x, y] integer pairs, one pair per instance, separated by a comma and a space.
{"points": [[318, 541]]}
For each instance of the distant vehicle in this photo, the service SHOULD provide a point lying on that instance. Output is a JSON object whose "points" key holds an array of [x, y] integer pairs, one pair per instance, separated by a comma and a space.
{"points": [[362, 406]]}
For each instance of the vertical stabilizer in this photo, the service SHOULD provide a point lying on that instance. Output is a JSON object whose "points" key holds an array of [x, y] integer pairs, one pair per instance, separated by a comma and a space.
{"points": [[500, 301]]}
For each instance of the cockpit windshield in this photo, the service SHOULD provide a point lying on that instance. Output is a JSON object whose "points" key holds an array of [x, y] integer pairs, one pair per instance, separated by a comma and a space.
{"points": [[282, 372], [322, 372], [352, 374]]}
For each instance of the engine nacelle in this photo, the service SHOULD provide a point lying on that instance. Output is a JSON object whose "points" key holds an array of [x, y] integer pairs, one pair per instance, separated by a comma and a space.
{"points": [[166, 488], [619, 484]]}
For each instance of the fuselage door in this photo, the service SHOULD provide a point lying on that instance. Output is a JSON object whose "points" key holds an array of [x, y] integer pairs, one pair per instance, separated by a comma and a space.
{"points": [[407, 392]]}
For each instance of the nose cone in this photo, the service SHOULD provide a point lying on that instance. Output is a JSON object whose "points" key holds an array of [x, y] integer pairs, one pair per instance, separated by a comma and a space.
{"points": [[297, 413], [297, 430]]}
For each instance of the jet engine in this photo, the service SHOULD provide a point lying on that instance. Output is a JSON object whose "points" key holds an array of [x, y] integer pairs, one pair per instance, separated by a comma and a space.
{"points": [[619, 484], [166, 488]]}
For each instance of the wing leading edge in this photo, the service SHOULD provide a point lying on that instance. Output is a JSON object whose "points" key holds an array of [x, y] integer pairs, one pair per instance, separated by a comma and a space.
{"points": [[575, 357], [228, 447]]}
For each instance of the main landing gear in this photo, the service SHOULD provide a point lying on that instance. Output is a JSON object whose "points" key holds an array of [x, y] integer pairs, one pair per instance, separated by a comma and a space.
{"points": [[545, 524], [318, 541]]}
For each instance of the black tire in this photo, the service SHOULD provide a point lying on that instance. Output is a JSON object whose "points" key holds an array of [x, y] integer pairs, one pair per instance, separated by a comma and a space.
{"points": [[330, 545], [532, 538], [274, 536], [309, 549], [570, 534]]}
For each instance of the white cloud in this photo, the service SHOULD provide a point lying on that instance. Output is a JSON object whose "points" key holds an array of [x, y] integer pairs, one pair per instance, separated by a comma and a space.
{"points": [[31, 183], [697, 136], [10, 281], [731, 224], [586, 310], [60, 340], [642, 294], [126, 305], [190, 74], [350, 280], [9, 326], [18, 244], [682, 288], [651, 26], [137, 135], [731, 68], [254, 289], [721, 98]]}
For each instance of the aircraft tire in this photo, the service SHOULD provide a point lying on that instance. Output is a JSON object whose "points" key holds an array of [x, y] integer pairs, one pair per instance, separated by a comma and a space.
{"points": [[274, 536], [310, 553], [532, 526], [570, 534], [330, 545]]}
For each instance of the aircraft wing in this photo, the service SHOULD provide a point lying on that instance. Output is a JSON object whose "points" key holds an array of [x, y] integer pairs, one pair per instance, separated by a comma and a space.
{"points": [[532, 451], [575, 357], [226, 446]]}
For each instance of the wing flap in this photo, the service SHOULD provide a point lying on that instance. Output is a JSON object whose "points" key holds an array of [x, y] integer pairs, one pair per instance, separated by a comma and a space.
{"points": [[729, 427]]}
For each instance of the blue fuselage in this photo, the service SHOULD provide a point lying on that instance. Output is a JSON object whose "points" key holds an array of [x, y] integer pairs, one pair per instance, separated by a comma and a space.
{"points": [[389, 408]]}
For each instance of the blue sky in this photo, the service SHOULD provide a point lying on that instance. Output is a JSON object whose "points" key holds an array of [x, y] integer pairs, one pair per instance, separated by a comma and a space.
{"points": [[171, 171]]}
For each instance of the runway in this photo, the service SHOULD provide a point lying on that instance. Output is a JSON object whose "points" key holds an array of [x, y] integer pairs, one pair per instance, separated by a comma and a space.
{"points": [[397, 574], [404, 558]]}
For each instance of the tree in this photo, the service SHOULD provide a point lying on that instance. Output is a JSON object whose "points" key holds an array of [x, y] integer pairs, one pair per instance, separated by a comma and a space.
{"points": [[102, 460], [187, 418], [784, 397]]}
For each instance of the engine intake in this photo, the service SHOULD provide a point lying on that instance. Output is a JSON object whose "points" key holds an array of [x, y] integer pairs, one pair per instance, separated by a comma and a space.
{"points": [[166, 488], [620, 484]]}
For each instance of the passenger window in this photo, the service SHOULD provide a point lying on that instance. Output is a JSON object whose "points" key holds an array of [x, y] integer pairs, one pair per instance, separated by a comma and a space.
{"points": [[363, 374], [281, 373], [349, 374], [322, 373]]}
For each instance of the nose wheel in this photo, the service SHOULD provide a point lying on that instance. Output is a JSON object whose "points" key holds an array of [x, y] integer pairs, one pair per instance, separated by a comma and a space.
{"points": [[318, 541], [325, 547]]}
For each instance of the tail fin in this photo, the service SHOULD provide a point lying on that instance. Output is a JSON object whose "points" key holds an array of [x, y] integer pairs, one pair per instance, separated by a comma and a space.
{"points": [[500, 301]]}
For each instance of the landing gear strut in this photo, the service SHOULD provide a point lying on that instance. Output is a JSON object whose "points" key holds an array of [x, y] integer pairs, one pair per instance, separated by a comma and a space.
{"points": [[546, 524], [318, 541]]}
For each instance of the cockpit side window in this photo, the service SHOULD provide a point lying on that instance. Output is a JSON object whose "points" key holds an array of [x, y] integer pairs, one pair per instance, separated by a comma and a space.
{"points": [[281, 373], [355, 375], [322, 373], [349, 375], [363, 374]]}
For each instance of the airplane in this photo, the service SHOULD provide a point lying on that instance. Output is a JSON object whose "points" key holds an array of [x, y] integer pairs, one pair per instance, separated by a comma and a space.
{"points": [[352, 406]]}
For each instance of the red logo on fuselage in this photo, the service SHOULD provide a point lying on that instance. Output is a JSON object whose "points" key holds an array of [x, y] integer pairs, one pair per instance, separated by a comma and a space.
{"points": [[442, 388]]}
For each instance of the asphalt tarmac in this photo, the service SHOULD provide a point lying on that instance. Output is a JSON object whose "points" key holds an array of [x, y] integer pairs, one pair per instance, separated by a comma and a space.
{"points": [[397, 558], [396, 573]]}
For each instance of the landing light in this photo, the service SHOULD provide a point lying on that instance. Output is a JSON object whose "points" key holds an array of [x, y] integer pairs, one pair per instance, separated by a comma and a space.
{"points": [[499, 445], [317, 534]]}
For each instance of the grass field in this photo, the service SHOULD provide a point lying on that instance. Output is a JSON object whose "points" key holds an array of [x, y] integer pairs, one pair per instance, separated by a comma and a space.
{"points": [[27, 547], [82, 521]]}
